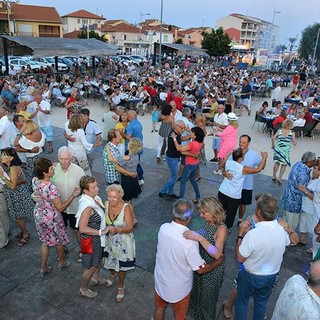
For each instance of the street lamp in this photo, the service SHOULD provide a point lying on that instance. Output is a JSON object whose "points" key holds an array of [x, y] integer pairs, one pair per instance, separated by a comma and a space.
{"points": [[273, 16], [140, 27], [160, 44]]}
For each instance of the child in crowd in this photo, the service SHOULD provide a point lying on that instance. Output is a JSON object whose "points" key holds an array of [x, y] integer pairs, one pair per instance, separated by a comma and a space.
{"points": [[155, 118]]}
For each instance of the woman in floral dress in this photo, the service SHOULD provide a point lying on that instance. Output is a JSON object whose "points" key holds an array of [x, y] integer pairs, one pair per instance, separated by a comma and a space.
{"points": [[120, 244], [212, 237], [48, 219]]}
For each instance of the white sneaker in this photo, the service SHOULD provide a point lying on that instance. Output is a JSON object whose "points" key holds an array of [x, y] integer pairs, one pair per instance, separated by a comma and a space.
{"points": [[217, 171], [141, 182]]}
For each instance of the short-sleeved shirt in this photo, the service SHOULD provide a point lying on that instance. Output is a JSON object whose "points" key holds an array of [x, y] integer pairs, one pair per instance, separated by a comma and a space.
{"points": [[92, 130], [233, 188], [66, 182], [5, 130], [134, 129], [292, 197], [264, 257], [110, 171], [176, 260], [245, 92], [194, 149], [172, 151], [251, 159]]}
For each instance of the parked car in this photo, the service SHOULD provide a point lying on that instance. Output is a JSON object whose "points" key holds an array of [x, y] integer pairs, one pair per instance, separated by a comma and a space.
{"points": [[126, 60], [19, 62], [138, 58], [48, 61]]}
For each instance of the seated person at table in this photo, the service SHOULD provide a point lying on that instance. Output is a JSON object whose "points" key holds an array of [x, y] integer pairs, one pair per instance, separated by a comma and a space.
{"points": [[292, 110], [263, 109], [278, 120], [301, 121], [293, 95], [276, 110], [315, 104], [308, 115]]}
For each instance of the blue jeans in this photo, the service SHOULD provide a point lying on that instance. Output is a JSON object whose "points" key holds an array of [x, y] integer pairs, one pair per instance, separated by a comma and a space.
{"points": [[189, 172], [173, 164], [256, 286]]}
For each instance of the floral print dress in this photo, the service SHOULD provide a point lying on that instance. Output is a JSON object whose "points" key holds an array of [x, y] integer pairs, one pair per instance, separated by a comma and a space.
{"points": [[48, 220]]}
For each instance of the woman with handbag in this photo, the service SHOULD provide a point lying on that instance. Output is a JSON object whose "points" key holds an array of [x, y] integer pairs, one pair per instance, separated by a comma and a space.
{"points": [[120, 244], [92, 226]]}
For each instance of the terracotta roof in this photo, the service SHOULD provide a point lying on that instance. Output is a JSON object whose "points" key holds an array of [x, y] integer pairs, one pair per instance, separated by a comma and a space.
{"points": [[34, 13], [157, 29], [121, 27], [84, 14], [73, 34]]}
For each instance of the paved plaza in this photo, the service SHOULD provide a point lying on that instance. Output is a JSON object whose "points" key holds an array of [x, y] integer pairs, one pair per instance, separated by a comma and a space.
{"points": [[25, 295]]}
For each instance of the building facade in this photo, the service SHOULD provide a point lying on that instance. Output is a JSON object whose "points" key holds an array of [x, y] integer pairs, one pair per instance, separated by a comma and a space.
{"points": [[254, 33], [29, 21], [81, 18]]}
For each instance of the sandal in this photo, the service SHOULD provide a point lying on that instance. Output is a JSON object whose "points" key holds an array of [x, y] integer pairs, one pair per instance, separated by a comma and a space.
{"points": [[99, 281], [79, 259], [120, 294], [46, 271], [226, 310], [23, 241], [65, 265], [88, 293], [310, 250], [19, 235], [110, 280]]}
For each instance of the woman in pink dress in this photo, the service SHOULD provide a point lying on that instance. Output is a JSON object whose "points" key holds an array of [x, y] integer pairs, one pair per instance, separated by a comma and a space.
{"points": [[229, 138]]}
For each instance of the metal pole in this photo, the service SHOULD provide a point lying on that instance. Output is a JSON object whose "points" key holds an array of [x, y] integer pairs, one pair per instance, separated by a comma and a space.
{"points": [[160, 47], [8, 7], [315, 48], [88, 31]]}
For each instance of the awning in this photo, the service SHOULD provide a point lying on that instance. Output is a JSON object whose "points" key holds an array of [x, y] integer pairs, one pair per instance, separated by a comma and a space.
{"points": [[180, 49], [46, 46]]}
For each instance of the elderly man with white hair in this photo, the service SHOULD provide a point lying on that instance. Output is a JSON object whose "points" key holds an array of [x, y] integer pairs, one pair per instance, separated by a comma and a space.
{"points": [[66, 178]]}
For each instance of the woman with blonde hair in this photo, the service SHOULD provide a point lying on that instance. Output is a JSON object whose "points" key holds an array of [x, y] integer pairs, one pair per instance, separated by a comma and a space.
{"points": [[32, 141], [229, 138], [80, 145], [212, 238], [120, 250], [282, 140]]}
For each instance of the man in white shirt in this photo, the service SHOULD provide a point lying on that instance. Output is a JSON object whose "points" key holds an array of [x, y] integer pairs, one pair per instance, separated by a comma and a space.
{"points": [[176, 260], [261, 258], [66, 178], [42, 118], [301, 121], [276, 92], [109, 119], [300, 299], [220, 121], [5, 129]]}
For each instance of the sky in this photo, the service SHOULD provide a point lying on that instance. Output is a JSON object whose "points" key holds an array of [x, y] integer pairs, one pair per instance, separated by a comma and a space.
{"points": [[294, 17]]}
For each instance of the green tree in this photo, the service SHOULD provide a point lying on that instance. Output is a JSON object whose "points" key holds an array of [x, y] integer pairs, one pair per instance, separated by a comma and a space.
{"points": [[179, 41], [308, 41], [92, 34], [216, 43]]}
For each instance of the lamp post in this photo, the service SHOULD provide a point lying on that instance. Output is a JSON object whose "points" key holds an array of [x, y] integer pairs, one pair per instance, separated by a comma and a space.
{"points": [[160, 44], [273, 16], [140, 27]]}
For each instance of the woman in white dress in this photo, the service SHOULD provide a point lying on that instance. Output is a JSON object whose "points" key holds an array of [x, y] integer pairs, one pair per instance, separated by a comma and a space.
{"points": [[79, 145]]}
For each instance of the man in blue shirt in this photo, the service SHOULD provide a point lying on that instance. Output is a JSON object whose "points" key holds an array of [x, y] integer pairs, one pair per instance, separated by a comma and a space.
{"points": [[8, 95], [134, 130]]}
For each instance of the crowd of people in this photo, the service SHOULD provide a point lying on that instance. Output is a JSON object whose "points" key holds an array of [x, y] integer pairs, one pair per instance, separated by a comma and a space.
{"points": [[190, 104]]}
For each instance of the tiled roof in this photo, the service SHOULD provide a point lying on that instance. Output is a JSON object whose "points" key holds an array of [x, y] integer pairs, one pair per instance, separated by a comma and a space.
{"points": [[34, 13], [156, 29], [83, 14], [73, 34], [120, 27]]}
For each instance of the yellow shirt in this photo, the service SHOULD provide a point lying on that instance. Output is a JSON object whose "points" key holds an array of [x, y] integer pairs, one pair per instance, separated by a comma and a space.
{"points": [[118, 126], [25, 114]]}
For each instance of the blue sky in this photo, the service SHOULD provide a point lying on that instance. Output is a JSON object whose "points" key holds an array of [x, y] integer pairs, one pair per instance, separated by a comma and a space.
{"points": [[294, 17]]}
